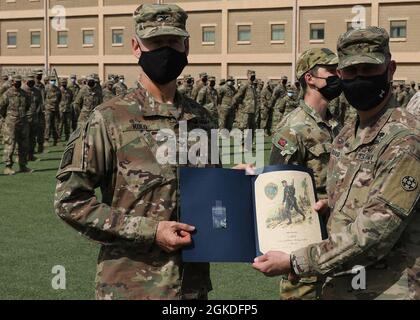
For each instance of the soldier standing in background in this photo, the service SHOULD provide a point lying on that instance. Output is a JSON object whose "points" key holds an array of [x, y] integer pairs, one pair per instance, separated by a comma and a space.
{"points": [[14, 106], [266, 115], [52, 100], [74, 87], [279, 92], [283, 107], [87, 100], [107, 91], [187, 86], [245, 101], [120, 88], [66, 110], [227, 92], [33, 114], [198, 85], [41, 113], [207, 98]]}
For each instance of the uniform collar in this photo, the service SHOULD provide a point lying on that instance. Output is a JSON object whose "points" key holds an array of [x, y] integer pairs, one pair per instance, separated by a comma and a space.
{"points": [[375, 128], [331, 122]]}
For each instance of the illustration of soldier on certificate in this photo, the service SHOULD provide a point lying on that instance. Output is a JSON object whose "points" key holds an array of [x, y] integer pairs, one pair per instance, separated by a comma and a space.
{"points": [[284, 216]]}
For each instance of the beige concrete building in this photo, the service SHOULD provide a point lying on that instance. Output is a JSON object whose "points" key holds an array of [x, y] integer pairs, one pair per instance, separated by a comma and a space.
{"points": [[227, 36]]}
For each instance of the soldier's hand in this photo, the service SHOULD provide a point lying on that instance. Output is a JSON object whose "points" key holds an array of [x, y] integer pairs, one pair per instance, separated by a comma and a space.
{"points": [[273, 263], [249, 168], [322, 207], [171, 235]]}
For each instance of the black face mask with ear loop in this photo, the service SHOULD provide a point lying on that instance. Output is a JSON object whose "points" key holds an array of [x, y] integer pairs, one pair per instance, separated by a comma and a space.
{"points": [[333, 88], [366, 92], [163, 65]]}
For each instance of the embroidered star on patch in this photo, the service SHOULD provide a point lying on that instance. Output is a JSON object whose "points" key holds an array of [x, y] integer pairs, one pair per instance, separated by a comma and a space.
{"points": [[409, 183]]}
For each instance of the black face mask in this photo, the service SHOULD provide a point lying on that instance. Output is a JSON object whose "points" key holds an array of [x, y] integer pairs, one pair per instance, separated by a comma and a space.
{"points": [[91, 84], [30, 84], [163, 65], [39, 78], [189, 82], [252, 78], [365, 93], [284, 82], [17, 85], [333, 88], [212, 84]]}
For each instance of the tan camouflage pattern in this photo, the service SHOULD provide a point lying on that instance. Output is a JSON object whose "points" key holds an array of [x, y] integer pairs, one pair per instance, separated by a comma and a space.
{"points": [[52, 101], [66, 112], [245, 101], [356, 46], [373, 194], [115, 150], [414, 105], [207, 97], [153, 20], [33, 118], [313, 57], [226, 94], [86, 101], [120, 89], [266, 112]]}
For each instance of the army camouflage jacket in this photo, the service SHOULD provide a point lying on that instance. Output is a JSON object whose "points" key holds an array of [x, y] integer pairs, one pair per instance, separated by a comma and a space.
{"points": [[87, 100], [66, 100], [414, 105], [35, 98], [246, 98], [116, 151], [207, 98], [14, 104], [303, 138], [52, 98], [373, 194], [226, 94], [120, 89]]}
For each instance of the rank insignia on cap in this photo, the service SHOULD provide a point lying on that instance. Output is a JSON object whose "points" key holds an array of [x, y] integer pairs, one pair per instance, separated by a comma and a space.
{"points": [[282, 142], [162, 18], [409, 183]]}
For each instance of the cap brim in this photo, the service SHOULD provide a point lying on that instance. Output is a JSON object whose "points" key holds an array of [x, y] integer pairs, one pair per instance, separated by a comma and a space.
{"points": [[361, 59], [161, 31]]}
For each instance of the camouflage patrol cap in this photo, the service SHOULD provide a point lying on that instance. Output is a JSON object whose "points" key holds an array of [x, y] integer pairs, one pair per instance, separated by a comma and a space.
{"points": [[109, 83], [152, 20], [212, 78], [222, 80], [63, 80], [203, 74], [356, 46], [73, 76], [121, 76], [284, 78], [412, 83], [230, 78], [17, 77], [39, 72], [90, 77], [313, 57], [29, 77], [5, 77], [250, 73]]}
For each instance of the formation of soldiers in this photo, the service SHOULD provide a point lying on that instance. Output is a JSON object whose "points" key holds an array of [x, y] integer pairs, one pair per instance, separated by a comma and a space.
{"points": [[38, 109]]}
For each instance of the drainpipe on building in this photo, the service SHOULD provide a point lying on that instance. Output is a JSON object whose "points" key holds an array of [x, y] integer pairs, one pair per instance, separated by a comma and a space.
{"points": [[46, 34], [294, 39]]}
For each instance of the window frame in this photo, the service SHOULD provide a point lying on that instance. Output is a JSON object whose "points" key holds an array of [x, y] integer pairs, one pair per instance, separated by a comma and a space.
{"points": [[208, 25], [398, 39], [58, 37], [272, 23], [88, 45], [115, 44], [323, 22], [243, 24], [30, 36]]}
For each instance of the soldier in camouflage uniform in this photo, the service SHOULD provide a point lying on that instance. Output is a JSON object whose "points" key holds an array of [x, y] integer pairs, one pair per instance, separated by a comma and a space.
{"points": [[14, 106], [304, 138], [120, 88], [74, 87], [117, 150], [41, 113], [66, 110], [207, 98], [52, 114], [414, 105], [6, 85], [87, 100], [107, 92], [266, 113], [245, 101], [33, 114], [283, 107], [227, 92], [187, 86], [198, 85], [279, 92], [373, 187]]}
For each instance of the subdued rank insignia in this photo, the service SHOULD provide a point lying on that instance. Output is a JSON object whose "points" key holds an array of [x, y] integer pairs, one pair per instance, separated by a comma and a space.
{"points": [[409, 183], [67, 157]]}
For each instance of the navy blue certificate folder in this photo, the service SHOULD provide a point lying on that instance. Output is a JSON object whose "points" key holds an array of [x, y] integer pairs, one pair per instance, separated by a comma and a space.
{"points": [[207, 194], [220, 204]]}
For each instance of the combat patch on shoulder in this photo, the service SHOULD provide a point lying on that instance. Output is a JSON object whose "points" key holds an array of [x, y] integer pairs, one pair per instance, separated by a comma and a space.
{"points": [[67, 157], [400, 191]]}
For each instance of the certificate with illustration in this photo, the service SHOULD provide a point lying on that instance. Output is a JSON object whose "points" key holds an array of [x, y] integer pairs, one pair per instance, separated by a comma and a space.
{"points": [[238, 216]]}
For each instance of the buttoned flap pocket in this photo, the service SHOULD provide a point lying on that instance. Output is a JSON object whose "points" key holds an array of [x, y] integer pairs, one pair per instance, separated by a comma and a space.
{"points": [[320, 149], [346, 185]]}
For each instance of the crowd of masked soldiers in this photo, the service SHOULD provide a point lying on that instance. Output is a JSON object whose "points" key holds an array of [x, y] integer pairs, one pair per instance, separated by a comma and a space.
{"points": [[37, 110], [253, 104]]}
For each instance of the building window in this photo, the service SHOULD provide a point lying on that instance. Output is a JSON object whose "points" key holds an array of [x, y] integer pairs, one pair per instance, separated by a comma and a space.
{"points": [[12, 39], [35, 38], [317, 31], [244, 33], [117, 37], [277, 32], [88, 38], [62, 38], [208, 34], [398, 29]]}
